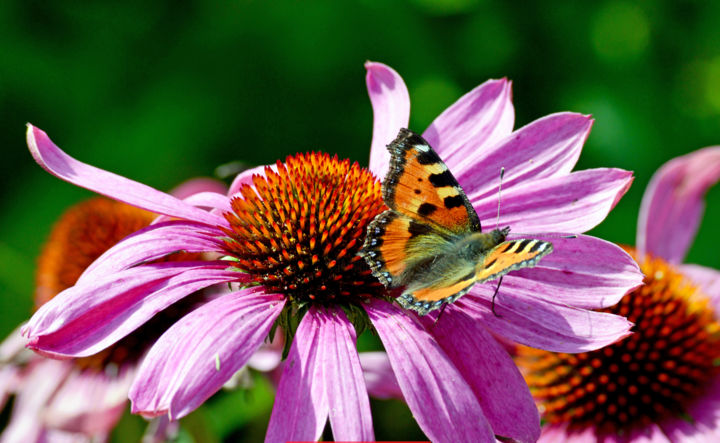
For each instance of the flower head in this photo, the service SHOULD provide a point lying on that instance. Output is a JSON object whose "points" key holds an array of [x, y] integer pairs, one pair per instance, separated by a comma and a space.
{"points": [[290, 234], [662, 381]]}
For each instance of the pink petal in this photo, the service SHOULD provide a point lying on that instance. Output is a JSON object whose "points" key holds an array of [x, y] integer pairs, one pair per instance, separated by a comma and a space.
{"points": [[573, 203], [544, 325], [391, 109], [211, 200], [245, 178], [584, 272], [705, 411], [154, 242], [438, 396], [322, 376], [13, 345], [161, 430], [61, 165], [547, 147], [350, 416], [301, 405], [673, 204], [379, 376], [491, 373], [38, 387], [197, 185], [481, 117], [89, 402], [200, 352], [86, 318]]}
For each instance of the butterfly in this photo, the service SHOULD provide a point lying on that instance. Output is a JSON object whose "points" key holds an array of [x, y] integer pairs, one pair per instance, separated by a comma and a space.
{"points": [[430, 242]]}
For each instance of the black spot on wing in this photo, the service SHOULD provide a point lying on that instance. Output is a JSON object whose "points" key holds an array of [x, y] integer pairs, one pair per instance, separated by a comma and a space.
{"points": [[416, 229], [443, 179], [536, 247], [454, 202], [428, 157], [426, 209], [417, 191], [524, 244]]}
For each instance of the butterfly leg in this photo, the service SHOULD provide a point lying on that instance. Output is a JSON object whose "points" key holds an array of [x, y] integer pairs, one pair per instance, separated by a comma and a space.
{"points": [[493, 297], [441, 312]]}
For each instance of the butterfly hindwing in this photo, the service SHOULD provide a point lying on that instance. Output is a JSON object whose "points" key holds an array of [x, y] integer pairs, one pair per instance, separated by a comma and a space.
{"points": [[511, 255], [419, 185], [395, 243]]}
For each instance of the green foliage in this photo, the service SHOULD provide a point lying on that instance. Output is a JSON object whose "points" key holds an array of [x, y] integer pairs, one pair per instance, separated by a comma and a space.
{"points": [[161, 92]]}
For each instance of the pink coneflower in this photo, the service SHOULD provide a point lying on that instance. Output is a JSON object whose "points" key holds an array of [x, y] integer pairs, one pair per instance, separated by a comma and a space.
{"points": [[81, 398], [662, 383], [291, 235]]}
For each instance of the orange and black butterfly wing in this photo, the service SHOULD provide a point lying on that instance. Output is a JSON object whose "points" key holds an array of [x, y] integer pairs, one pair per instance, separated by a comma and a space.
{"points": [[511, 255], [393, 244], [425, 299], [420, 186]]}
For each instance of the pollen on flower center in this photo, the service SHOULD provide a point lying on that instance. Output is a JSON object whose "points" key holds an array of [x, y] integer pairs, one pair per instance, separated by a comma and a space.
{"points": [[297, 231], [651, 375]]}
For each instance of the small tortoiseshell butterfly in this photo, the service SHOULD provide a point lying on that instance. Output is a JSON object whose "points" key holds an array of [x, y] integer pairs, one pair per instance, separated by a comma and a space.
{"points": [[430, 241]]}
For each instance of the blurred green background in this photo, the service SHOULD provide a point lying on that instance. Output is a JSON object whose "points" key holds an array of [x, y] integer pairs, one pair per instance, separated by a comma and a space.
{"points": [[162, 91]]}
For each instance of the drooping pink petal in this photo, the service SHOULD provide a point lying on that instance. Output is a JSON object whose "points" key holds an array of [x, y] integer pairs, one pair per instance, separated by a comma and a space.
{"points": [[435, 391], [89, 402], [391, 111], [680, 429], [573, 203], [649, 434], [86, 318], [211, 200], [705, 411], [161, 430], [584, 272], [481, 117], [673, 204], [301, 403], [348, 400], [379, 377], [154, 242], [13, 345], [490, 372], [40, 383], [201, 351], [61, 165], [547, 147], [550, 326]]}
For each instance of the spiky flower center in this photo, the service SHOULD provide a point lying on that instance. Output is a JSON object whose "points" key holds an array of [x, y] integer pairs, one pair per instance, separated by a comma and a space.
{"points": [[298, 229], [653, 374], [83, 233]]}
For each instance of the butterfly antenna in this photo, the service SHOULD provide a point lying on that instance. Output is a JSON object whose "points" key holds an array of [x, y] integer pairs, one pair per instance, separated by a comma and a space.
{"points": [[497, 222]]}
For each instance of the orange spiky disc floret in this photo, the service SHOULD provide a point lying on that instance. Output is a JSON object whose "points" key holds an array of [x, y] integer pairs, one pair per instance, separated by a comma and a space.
{"points": [[653, 374], [298, 229], [83, 233]]}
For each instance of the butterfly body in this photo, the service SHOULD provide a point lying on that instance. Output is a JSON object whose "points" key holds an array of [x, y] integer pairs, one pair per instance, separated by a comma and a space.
{"points": [[430, 242]]}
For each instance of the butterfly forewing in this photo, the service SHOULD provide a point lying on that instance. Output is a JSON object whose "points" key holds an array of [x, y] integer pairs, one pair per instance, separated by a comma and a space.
{"points": [[420, 186], [511, 255]]}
